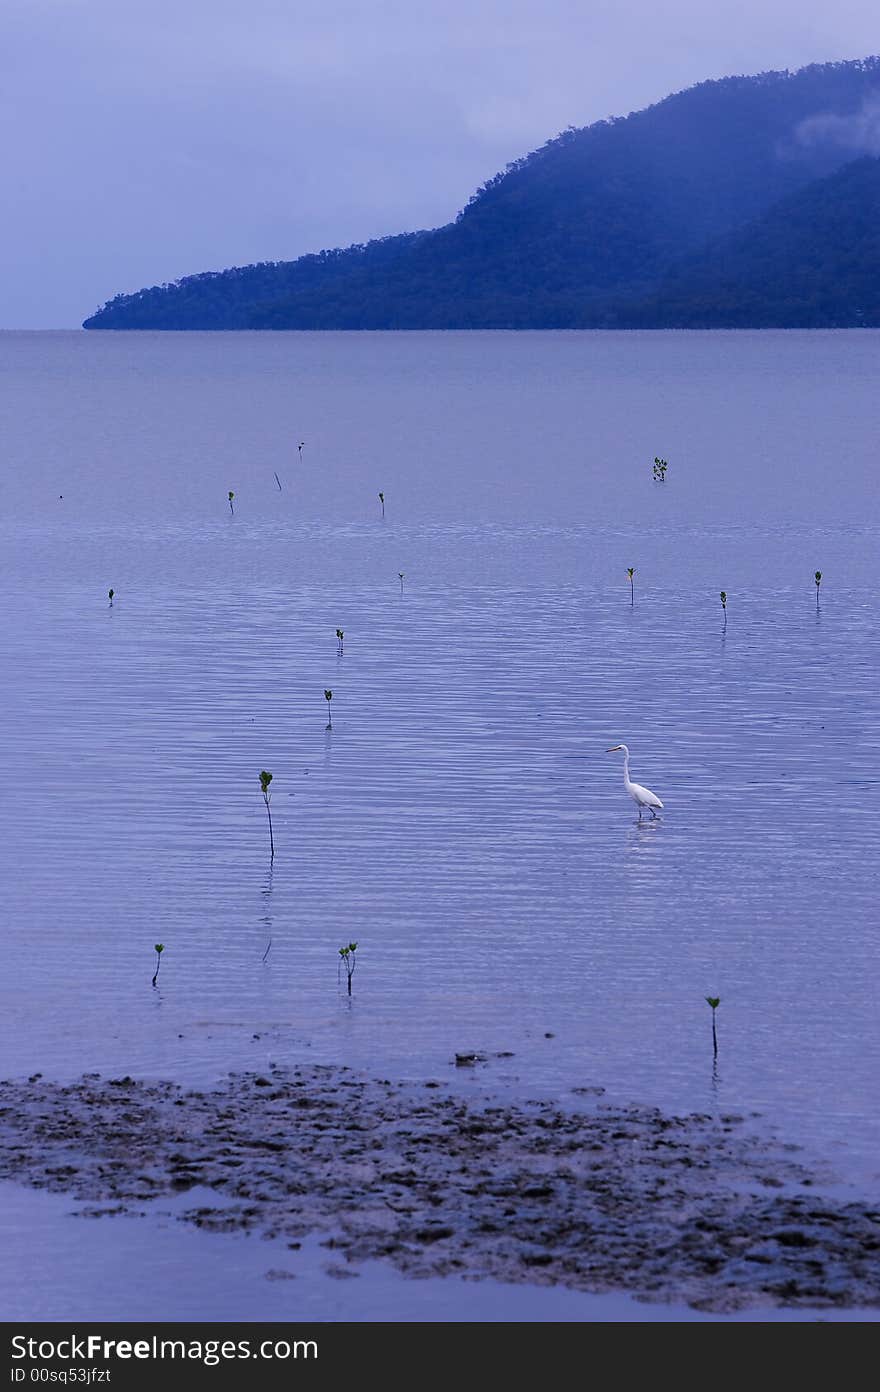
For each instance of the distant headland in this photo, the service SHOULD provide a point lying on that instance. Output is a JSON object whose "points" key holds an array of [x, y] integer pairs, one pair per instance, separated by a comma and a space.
{"points": [[748, 202]]}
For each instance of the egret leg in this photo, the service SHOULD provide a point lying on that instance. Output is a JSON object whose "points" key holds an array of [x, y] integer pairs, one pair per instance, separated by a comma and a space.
{"points": [[639, 805], [653, 814]]}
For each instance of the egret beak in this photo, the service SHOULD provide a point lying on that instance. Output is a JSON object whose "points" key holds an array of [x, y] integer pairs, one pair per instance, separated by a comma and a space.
{"points": [[613, 749]]}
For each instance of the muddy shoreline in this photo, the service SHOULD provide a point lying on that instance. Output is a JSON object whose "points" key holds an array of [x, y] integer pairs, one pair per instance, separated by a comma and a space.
{"points": [[685, 1208]]}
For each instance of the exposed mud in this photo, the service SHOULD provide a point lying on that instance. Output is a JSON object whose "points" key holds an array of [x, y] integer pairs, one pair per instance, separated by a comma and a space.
{"points": [[674, 1208]]}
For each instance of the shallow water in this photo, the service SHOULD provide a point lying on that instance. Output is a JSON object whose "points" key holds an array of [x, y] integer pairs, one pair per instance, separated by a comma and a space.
{"points": [[152, 1267], [461, 821]]}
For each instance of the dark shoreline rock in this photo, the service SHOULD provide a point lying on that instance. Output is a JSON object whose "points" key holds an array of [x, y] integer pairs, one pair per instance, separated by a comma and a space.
{"points": [[623, 1198]]}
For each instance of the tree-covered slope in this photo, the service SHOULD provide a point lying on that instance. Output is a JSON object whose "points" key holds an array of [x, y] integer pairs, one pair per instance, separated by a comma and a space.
{"points": [[812, 261], [596, 218], [227, 299]]}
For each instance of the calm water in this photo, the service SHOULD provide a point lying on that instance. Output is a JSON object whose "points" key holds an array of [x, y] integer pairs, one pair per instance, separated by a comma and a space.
{"points": [[126, 1268], [461, 821]]}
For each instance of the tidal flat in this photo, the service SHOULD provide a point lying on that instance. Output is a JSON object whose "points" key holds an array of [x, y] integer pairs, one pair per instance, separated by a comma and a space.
{"points": [[695, 1209]]}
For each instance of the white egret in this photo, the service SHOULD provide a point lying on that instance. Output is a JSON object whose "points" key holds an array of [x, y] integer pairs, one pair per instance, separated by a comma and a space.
{"points": [[642, 797]]}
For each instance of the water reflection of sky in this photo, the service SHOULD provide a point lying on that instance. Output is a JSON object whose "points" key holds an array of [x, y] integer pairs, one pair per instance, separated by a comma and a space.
{"points": [[500, 888]]}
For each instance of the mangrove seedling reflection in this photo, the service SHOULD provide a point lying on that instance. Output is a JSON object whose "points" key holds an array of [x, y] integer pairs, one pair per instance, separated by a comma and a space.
{"points": [[349, 961], [158, 948], [265, 780]]}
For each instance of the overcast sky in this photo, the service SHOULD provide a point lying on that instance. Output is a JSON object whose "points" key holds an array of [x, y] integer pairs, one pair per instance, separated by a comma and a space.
{"points": [[148, 139]]}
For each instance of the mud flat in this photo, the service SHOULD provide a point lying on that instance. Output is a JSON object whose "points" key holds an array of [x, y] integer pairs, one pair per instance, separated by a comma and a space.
{"points": [[685, 1208]]}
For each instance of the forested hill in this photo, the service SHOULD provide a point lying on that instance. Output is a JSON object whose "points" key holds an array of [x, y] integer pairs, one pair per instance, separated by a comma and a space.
{"points": [[811, 261], [622, 222]]}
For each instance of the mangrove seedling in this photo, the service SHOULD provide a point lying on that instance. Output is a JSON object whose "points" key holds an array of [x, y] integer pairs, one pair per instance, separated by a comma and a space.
{"points": [[817, 578], [328, 697], [158, 948], [110, 594], [265, 780], [300, 448], [724, 605], [382, 501], [714, 1001], [660, 467], [340, 641], [231, 495], [400, 578], [277, 480], [349, 961], [631, 570]]}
